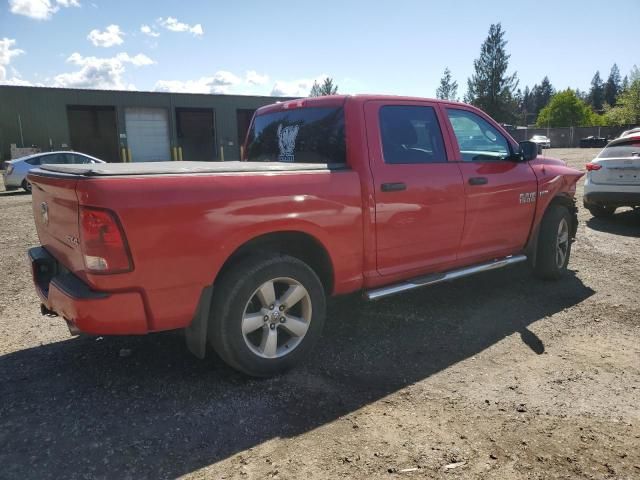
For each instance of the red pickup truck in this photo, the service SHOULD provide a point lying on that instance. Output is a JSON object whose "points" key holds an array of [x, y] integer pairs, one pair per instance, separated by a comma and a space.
{"points": [[336, 194]]}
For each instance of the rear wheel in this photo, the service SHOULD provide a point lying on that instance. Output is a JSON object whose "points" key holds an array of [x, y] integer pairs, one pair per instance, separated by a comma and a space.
{"points": [[267, 314], [601, 210], [26, 185], [554, 243]]}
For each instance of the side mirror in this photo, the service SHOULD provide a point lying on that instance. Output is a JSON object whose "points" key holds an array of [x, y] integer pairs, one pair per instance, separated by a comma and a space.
{"points": [[528, 150]]}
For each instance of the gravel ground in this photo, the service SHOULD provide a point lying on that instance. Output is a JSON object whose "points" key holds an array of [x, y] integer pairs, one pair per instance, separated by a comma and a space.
{"points": [[496, 376]]}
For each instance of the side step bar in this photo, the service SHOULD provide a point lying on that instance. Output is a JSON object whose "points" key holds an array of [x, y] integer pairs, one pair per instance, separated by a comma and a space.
{"points": [[442, 277]]}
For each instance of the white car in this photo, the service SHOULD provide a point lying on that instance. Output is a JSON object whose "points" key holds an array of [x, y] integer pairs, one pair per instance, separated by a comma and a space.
{"points": [[15, 172], [541, 140], [632, 132], [613, 177]]}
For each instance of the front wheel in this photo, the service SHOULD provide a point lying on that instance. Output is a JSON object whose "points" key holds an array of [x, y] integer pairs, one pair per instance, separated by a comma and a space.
{"points": [[267, 314], [554, 243]]}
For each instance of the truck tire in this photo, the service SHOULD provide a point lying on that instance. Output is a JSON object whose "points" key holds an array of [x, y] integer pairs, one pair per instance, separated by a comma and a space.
{"points": [[267, 314], [601, 211], [554, 243]]}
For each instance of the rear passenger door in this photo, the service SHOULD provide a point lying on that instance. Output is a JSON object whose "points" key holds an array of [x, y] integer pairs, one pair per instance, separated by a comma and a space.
{"points": [[419, 196], [500, 192]]}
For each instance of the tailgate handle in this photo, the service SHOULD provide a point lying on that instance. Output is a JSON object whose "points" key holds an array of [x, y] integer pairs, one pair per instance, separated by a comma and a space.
{"points": [[393, 187], [478, 181]]}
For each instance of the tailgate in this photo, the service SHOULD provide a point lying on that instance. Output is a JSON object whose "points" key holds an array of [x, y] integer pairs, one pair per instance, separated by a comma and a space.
{"points": [[618, 171], [624, 172], [55, 212]]}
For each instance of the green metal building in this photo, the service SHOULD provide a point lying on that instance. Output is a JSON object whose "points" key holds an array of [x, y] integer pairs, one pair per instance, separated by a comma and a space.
{"points": [[119, 126]]}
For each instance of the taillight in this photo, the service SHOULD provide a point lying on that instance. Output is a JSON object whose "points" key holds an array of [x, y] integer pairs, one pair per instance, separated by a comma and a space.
{"points": [[593, 166], [10, 169], [103, 243]]}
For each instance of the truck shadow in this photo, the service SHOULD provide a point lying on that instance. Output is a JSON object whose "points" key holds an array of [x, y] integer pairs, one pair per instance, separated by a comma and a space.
{"points": [[142, 407], [625, 223]]}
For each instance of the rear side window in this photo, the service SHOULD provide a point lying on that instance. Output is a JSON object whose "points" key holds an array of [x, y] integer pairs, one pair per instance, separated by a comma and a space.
{"points": [[53, 159], [304, 135], [621, 150], [33, 161], [411, 134]]}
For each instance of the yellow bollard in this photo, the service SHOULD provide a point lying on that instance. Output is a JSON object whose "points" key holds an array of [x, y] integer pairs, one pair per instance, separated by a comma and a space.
{"points": [[179, 154], [129, 155], [174, 154], [123, 155]]}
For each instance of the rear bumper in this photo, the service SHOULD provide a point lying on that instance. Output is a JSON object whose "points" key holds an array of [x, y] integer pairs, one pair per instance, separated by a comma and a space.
{"points": [[613, 199], [11, 182], [85, 310]]}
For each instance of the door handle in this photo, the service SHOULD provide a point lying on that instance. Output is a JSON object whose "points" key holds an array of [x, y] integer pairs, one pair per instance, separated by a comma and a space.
{"points": [[478, 181], [393, 187]]}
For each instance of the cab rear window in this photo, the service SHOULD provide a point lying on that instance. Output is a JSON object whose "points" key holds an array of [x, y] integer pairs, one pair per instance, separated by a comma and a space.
{"points": [[304, 135]]}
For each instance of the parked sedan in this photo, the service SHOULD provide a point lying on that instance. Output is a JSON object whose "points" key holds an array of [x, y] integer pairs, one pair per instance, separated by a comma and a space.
{"points": [[592, 142], [542, 141], [613, 177], [15, 173]]}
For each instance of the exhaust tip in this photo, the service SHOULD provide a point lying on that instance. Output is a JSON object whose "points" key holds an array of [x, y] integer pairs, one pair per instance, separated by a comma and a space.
{"points": [[46, 312], [73, 329]]}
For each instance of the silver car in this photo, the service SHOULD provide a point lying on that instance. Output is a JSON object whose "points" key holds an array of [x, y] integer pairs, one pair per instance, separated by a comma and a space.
{"points": [[15, 172], [541, 140]]}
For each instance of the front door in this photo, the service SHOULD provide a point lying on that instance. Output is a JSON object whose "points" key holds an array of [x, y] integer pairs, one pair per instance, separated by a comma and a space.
{"points": [[500, 192], [419, 196]]}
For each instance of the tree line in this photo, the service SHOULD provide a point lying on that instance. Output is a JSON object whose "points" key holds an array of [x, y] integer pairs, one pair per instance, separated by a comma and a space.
{"points": [[615, 101], [491, 88]]}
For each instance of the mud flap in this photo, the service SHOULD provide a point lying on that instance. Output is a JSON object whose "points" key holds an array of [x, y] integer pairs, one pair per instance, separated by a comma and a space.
{"points": [[196, 333]]}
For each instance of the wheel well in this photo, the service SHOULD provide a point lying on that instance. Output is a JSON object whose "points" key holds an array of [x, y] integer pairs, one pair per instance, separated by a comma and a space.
{"points": [[296, 244], [531, 249], [570, 204]]}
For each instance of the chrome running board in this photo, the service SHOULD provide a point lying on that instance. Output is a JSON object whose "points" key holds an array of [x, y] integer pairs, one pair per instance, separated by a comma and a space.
{"points": [[442, 277]]}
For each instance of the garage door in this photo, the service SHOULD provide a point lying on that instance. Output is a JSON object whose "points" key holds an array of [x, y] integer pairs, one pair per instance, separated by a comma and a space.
{"points": [[147, 134]]}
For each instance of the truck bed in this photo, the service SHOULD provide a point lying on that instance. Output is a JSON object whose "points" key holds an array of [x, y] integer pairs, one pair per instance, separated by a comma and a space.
{"points": [[181, 168]]}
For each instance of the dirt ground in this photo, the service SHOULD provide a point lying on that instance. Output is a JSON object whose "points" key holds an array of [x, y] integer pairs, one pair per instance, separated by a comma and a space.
{"points": [[497, 376]]}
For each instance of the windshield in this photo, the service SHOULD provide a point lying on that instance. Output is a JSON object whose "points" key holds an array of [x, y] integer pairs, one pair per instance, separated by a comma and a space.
{"points": [[621, 150], [305, 135]]}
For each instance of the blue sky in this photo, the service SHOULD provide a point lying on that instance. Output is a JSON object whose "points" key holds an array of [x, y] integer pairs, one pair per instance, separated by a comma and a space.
{"points": [[280, 47]]}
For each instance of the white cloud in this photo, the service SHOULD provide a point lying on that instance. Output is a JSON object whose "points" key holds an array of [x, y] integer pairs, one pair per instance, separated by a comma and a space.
{"points": [[202, 85], [110, 37], [220, 82], [40, 9], [147, 30], [7, 52], [100, 73], [295, 88], [172, 24], [254, 78]]}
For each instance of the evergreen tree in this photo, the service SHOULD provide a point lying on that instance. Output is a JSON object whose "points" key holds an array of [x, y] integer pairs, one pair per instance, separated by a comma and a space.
{"points": [[613, 86], [448, 90], [627, 109], [543, 94], [584, 96], [625, 84], [490, 88], [529, 103], [327, 88], [596, 94]]}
